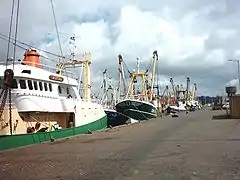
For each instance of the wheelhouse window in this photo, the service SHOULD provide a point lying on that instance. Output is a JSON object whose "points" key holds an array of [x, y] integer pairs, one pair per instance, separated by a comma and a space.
{"points": [[35, 84], [14, 84], [30, 85], [45, 87], [22, 84], [71, 92], [40, 86], [67, 89], [59, 90], [50, 87]]}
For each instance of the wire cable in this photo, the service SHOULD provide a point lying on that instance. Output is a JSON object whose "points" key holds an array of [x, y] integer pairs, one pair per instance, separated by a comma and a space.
{"points": [[56, 27], [16, 33], [10, 32], [28, 45]]}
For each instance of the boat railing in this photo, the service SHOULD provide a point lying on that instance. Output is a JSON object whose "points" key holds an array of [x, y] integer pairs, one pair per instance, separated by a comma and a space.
{"points": [[50, 68], [91, 100], [136, 97]]}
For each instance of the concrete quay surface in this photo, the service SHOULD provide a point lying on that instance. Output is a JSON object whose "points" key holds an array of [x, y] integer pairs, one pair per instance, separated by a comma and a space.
{"points": [[191, 147]]}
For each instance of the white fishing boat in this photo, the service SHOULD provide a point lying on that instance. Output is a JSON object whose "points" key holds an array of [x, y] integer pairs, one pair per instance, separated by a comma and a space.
{"points": [[43, 100], [179, 107]]}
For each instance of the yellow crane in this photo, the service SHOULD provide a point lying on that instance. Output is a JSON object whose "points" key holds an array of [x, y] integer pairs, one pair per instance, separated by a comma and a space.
{"points": [[85, 63]]}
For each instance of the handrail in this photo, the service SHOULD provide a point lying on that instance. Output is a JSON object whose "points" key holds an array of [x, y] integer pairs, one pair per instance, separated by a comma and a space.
{"points": [[48, 68]]}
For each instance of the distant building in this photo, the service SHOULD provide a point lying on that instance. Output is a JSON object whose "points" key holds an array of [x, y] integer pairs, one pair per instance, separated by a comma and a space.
{"points": [[208, 99]]}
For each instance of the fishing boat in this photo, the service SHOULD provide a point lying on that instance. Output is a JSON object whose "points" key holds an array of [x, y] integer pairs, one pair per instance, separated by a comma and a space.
{"points": [[139, 104], [44, 105], [184, 99], [137, 109], [107, 98]]}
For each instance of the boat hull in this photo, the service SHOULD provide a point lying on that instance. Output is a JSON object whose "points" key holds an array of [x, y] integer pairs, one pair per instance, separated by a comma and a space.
{"points": [[115, 118], [137, 110], [20, 140]]}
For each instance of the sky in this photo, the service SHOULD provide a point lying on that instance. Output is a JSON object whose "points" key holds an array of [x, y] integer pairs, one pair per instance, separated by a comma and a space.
{"points": [[193, 38]]}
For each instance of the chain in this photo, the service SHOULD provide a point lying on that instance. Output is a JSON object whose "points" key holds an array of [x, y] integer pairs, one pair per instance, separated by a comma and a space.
{"points": [[10, 109], [8, 80], [4, 99]]}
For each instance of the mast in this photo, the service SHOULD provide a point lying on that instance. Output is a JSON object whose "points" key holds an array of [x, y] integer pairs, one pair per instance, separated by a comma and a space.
{"points": [[104, 86], [155, 58], [72, 41], [187, 89], [134, 76], [9, 73], [133, 80], [194, 91], [173, 88], [138, 65], [121, 77], [87, 78]]}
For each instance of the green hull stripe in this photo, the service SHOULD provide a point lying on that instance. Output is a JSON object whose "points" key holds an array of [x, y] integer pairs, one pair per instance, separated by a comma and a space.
{"points": [[19, 140]]}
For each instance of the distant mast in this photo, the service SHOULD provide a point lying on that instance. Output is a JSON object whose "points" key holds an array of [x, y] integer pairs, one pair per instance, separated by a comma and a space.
{"points": [[138, 65]]}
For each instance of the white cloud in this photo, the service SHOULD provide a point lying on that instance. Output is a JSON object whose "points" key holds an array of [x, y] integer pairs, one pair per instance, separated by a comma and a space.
{"points": [[226, 33], [143, 32], [216, 58], [233, 82], [134, 29]]}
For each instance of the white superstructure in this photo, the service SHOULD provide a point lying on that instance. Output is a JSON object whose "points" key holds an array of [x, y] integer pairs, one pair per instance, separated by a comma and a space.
{"points": [[34, 90]]}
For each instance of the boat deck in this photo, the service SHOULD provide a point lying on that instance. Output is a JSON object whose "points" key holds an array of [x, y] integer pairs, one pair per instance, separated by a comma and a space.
{"points": [[192, 146]]}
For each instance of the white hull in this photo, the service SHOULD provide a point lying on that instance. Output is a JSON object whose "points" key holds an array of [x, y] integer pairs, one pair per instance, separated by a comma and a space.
{"points": [[180, 108], [40, 99], [86, 112]]}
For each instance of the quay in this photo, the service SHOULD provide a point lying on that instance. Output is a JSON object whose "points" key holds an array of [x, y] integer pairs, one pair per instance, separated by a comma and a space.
{"points": [[191, 146]]}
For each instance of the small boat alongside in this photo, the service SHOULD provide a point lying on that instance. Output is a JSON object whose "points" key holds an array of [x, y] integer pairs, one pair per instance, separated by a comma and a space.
{"points": [[116, 119], [179, 107]]}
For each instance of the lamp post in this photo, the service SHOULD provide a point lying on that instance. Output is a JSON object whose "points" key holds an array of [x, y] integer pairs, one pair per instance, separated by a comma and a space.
{"points": [[238, 71]]}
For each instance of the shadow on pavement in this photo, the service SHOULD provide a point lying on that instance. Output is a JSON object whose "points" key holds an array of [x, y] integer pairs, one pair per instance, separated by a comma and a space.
{"points": [[222, 117]]}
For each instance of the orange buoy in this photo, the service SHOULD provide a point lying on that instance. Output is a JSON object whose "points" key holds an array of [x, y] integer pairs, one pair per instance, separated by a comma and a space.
{"points": [[31, 58]]}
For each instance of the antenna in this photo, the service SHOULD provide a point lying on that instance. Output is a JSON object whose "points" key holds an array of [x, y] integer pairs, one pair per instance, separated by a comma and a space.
{"points": [[138, 64], [72, 41]]}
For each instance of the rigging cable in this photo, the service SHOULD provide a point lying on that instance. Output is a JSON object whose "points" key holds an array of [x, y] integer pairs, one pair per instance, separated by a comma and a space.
{"points": [[21, 47], [60, 47], [8, 75], [23, 43], [16, 32], [12, 71], [56, 27], [5, 39], [10, 32], [157, 77]]}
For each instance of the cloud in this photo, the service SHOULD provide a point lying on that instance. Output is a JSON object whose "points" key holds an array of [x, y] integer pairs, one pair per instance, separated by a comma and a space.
{"points": [[194, 39]]}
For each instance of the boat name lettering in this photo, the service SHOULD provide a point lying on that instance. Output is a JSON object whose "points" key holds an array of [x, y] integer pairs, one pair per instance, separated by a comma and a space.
{"points": [[130, 103], [56, 78]]}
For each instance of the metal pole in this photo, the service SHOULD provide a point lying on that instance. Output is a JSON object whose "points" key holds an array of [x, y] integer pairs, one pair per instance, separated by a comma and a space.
{"points": [[238, 76]]}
